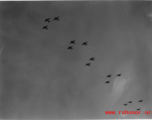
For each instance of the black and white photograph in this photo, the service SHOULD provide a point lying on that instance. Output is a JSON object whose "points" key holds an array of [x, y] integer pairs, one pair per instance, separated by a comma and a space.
{"points": [[76, 59]]}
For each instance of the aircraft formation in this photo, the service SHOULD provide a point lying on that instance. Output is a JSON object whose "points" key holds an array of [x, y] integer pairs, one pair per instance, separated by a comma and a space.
{"points": [[73, 42], [131, 102], [83, 44], [48, 20], [109, 76], [91, 59], [70, 47]]}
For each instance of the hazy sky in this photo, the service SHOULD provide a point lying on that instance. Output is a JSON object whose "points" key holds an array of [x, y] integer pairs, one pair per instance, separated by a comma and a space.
{"points": [[41, 79]]}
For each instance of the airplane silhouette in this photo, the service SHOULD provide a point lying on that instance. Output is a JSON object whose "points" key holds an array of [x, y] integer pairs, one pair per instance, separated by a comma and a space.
{"points": [[45, 27], [125, 104], [107, 82], [84, 43], [56, 18], [140, 100], [70, 47], [130, 102], [119, 75], [93, 58], [109, 76], [88, 64], [138, 108], [72, 42], [47, 20]]}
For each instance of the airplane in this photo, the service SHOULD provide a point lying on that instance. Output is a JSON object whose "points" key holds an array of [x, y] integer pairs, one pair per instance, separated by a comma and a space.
{"points": [[130, 102], [125, 104], [56, 18], [47, 20], [72, 42], [109, 75], [140, 100], [88, 64], [70, 47], [93, 58], [45, 27], [138, 108], [107, 82], [119, 75], [84, 43]]}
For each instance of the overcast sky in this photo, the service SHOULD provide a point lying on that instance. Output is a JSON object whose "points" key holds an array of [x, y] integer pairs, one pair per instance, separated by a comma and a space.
{"points": [[41, 79]]}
